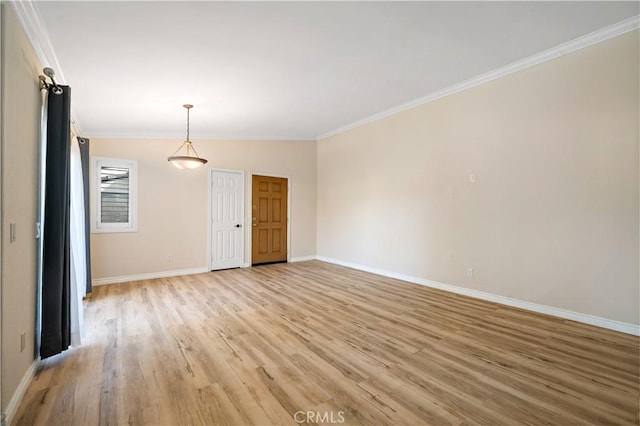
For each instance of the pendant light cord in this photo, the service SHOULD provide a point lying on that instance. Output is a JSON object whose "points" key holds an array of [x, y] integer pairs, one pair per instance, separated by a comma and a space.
{"points": [[187, 142], [188, 124]]}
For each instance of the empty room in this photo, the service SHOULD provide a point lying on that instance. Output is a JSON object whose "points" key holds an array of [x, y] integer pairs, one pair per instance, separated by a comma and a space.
{"points": [[281, 213]]}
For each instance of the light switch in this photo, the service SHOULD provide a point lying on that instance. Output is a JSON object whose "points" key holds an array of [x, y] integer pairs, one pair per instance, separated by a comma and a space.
{"points": [[472, 178], [12, 232]]}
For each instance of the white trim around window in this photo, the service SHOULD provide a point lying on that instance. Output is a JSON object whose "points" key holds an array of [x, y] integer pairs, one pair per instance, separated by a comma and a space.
{"points": [[114, 182]]}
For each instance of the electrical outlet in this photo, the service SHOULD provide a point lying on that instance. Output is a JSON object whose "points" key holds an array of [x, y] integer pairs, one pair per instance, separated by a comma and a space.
{"points": [[470, 272], [22, 341]]}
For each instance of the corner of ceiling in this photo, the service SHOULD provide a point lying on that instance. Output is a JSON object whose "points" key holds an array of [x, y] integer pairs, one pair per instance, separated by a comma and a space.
{"points": [[37, 33], [31, 21], [571, 46]]}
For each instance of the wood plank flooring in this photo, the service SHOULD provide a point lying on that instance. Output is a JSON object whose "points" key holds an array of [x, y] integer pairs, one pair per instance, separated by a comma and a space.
{"points": [[258, 345]]}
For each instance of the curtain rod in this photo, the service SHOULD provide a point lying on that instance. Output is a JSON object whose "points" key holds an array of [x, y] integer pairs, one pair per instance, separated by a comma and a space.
{"points": [[57, 90]]}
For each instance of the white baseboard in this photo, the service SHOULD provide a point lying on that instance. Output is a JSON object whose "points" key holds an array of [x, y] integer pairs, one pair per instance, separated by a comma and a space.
{"points": [[149, 276], [16, 399], [622, 327], [303, 258]]}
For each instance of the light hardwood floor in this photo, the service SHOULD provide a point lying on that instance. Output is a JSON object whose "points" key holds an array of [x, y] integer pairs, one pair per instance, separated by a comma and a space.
{"points": [[256, 345]]}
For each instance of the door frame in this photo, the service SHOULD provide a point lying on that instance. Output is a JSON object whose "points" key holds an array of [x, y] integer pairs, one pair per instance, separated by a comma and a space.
{"points": [[210, 217], [250, 200]]}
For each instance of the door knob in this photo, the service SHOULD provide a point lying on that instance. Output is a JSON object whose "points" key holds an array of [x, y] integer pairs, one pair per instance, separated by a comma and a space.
{"points": [[239, 225]]}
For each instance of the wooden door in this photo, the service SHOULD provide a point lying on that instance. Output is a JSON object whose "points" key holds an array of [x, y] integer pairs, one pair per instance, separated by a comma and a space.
{"points": [[227, 196], [269, 219]]}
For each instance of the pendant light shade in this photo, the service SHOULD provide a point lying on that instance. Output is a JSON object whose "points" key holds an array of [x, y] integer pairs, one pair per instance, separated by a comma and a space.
{"points": [[189, 158]]}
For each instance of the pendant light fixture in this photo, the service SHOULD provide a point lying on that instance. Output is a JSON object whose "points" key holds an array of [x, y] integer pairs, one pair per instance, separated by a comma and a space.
{"points": [[191, 160]]}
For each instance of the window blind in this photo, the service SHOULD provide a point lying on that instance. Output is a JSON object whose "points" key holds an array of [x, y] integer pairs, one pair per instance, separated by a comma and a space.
{"points": [[114, 194]]}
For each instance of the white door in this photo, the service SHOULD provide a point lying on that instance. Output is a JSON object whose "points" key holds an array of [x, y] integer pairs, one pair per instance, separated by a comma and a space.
{"points": [[227, 232]]}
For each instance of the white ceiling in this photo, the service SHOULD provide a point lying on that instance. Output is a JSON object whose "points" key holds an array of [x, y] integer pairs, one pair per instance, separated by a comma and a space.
{"points": [[287, 70]]}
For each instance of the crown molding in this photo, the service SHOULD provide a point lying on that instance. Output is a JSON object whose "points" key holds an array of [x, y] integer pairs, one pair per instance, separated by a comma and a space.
{"points": [[39, 38], [200, 138], [587, 40], [36, 32]]}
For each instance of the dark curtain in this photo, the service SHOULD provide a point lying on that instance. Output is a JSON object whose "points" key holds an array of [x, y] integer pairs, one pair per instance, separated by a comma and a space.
{"points": [[55, 334], [84, 157]]}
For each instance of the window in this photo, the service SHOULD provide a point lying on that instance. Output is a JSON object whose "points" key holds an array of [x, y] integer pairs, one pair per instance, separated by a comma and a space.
{"points": [[114, 195]]}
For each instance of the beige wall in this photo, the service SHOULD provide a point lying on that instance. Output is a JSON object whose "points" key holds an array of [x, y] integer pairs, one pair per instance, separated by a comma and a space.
{"points": [[173, 204], [20, 126], [553, 216]]}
